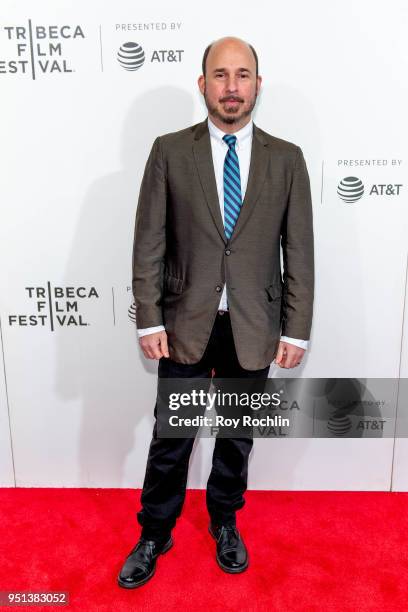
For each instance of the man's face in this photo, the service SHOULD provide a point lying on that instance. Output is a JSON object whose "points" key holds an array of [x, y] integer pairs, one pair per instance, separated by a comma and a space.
{"points": [[230, 87]]}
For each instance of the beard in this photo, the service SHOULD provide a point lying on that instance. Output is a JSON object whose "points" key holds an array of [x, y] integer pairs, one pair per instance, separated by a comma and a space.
{"points": [[227, 116]]}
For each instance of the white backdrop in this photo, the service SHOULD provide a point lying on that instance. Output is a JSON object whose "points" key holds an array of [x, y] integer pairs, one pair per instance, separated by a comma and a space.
{"points": [[76, 395]]}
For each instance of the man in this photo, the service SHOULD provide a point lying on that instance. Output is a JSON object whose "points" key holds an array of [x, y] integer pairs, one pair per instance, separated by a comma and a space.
{"points": [[217, 202]]}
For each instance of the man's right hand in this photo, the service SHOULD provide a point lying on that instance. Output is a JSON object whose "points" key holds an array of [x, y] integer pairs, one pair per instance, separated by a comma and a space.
{"points": [[154, 346]]}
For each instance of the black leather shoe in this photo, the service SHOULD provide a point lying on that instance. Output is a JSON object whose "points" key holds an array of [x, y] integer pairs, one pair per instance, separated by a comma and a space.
{"points": [[232, 556], [140, 564]]}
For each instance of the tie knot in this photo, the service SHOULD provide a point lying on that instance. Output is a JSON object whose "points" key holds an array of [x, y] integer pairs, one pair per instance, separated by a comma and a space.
{"points": [[230, 139]]}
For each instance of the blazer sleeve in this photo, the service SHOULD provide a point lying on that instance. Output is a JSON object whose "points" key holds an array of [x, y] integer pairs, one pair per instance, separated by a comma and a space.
{"points": [[298, 255], [149, 243]]}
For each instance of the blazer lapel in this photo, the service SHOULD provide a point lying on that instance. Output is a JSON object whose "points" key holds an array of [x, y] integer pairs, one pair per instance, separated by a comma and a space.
{"points": [[205, 166], [257, 174]]}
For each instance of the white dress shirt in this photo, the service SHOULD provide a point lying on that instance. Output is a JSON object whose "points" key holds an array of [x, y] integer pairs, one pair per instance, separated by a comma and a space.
{"points": [[219, 150]]}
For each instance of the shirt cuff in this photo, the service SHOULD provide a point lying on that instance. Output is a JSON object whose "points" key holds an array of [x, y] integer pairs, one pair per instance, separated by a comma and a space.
{"points": [[150, 330], [303, 344], [297, 342]]}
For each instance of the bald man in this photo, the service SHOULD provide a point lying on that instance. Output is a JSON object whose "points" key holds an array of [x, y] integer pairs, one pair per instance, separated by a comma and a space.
{"points": [[217, 203]]}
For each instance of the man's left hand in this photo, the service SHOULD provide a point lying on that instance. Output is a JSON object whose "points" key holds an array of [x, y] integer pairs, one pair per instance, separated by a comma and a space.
{"points": [[288, 355]]}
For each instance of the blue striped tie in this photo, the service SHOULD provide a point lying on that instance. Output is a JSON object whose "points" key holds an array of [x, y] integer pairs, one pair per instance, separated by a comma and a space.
{"points": [[232, 186]]}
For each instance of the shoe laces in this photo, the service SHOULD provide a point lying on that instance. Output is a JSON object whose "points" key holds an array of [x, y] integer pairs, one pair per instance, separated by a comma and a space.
{"points": [[229, 533]]}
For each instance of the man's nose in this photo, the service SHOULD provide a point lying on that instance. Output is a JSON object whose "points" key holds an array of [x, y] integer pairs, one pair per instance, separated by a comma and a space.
{"points": [[232, 85]]}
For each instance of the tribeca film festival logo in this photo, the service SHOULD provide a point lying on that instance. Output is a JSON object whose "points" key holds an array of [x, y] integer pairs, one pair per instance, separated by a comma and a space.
{"points": [[54, 306], [37, 49], [351, 188]]}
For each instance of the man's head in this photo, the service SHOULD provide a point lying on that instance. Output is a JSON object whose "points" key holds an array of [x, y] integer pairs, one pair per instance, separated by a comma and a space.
{"points": [[230, 82]]}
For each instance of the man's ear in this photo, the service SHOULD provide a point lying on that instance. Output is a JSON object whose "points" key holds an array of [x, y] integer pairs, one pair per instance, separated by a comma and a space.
{"points": [[258, 83], [201, 83]]}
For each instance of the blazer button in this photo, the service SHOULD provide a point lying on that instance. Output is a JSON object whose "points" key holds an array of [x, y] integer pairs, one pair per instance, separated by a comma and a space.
{"points": [[228, 252], [218, 288]]}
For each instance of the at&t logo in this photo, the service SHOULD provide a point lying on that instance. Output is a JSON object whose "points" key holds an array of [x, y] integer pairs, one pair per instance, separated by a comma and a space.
{"points": [[131, 56], [351, 189]]}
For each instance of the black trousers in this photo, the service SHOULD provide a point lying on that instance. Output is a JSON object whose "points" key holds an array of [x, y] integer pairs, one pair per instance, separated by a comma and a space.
{"points": [[164, 486]]}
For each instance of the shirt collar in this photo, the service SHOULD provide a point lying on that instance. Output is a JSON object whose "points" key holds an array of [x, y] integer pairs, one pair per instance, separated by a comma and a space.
{"points": [[243, 135]]}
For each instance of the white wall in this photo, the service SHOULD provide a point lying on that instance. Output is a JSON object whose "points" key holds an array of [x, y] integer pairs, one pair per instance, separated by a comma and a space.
{"points": [[79, 404]]}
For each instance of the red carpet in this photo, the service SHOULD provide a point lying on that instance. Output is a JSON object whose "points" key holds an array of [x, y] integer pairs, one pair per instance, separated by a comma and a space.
{"points": [[311, 551]]}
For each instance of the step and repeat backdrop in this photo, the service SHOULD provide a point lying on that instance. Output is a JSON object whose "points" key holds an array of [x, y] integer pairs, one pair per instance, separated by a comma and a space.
{"points": [[77, 123]]}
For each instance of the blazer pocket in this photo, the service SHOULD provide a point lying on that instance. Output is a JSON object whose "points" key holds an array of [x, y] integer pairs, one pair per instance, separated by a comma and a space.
{"points": [[274, 292], [173, 284]]}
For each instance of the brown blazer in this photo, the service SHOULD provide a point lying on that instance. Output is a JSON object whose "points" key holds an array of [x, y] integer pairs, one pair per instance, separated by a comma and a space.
{"points": [[182, 259]]}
